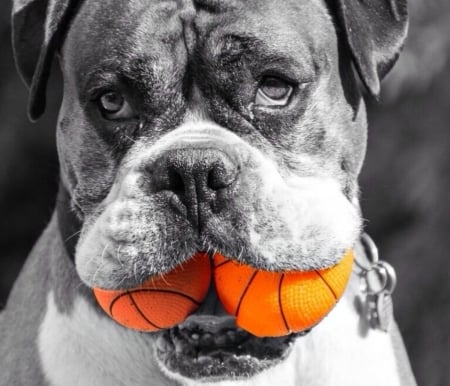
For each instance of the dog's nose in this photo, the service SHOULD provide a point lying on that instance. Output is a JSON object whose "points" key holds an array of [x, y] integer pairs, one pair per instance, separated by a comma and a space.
{"points": [[201, 180]]}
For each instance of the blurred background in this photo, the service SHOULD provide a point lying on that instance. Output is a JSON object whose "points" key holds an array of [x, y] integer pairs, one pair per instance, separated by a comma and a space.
{"points": [[405, 182]]}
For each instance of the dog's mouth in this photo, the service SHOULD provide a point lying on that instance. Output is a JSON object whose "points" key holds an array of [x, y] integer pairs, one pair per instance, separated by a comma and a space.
{"points": [[212, 348]]}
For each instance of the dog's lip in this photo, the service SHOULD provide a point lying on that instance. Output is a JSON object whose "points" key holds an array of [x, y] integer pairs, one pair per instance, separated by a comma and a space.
{"points": [[212, 347]]}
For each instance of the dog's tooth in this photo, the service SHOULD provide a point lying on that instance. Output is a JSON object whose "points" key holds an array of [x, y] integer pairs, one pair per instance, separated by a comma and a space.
{"points": [[231, 335], [221, 339], [206, 339], [179, 345], [205, 360], [178, 348], [163, 345]]}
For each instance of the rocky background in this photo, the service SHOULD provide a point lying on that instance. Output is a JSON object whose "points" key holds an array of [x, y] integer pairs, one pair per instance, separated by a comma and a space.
{"points": [[405, 182]]}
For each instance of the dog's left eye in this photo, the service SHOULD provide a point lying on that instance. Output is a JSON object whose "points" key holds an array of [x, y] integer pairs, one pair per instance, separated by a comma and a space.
{"points": [[273, 91], [113, 105]]}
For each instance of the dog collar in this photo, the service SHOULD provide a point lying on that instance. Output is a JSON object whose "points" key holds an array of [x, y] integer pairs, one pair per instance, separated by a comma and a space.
{"points": [[377, 280]]}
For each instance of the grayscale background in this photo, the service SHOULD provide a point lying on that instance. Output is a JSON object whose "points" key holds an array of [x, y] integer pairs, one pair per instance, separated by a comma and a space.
{"points": [[405, 182]]}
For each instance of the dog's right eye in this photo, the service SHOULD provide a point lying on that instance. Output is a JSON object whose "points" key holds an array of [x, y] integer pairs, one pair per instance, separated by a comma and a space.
{"points": [[273, 91], [113, 105]]}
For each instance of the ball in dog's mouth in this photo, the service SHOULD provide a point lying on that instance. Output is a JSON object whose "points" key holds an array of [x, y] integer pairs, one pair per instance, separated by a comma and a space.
{"points": [[208, 348]]}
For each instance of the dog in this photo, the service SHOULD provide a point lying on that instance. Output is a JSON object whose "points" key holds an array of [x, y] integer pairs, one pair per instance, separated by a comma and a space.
{"points": [[199, 125]]}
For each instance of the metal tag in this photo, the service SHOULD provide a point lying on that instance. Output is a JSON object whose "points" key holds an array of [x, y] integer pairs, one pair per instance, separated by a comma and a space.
{"points": [[384, 311], [378, 282]]}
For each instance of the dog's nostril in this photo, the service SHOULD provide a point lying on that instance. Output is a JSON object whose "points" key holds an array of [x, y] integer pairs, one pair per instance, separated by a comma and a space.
{"points": [[221, 175], [206, 339], [176, 182], [217, 179]]}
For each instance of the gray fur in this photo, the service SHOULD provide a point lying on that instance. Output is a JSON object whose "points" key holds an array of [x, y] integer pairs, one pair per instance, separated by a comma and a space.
{"points": [[20, 320]]}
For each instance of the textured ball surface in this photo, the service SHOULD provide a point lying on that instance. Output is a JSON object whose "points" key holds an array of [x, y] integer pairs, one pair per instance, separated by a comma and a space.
{"points": [[270, 304], [160, 302]]}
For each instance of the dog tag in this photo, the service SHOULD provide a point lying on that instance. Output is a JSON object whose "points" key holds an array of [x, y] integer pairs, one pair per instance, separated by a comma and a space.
{"points": [[385, 311], [378, 280]]}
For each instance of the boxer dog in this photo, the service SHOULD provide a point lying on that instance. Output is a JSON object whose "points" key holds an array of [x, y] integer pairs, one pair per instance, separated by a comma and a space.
{"points": [[199, 125]]}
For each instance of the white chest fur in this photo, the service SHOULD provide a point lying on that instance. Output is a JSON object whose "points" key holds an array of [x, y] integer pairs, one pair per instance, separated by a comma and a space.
{"points": [[82, 349]]}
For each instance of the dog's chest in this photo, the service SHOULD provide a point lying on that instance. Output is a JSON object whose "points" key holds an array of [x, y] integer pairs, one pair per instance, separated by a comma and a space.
{"points": [[82, 348]]}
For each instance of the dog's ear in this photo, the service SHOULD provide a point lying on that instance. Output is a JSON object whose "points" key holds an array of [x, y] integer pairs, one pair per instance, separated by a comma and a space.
{"points": [[374, 31], [38, 27]]}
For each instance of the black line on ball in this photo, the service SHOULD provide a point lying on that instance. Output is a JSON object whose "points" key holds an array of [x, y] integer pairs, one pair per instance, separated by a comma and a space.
{"points": [[111, 305], [150, 290], [326, 283], [165, 290], [142, 314], [283, 316], [244, 292], [222, 263]]}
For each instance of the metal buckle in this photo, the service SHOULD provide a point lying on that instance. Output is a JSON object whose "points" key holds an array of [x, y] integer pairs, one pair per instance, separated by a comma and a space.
{"points": [[378, 281]]}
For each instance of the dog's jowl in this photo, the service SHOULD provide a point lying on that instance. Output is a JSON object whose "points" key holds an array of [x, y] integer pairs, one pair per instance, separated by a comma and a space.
{"points": [[231, 127]]}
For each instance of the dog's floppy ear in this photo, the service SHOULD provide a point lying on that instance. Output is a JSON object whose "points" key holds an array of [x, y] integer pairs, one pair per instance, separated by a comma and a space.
{"points": [[38, 27], [375, 31]]}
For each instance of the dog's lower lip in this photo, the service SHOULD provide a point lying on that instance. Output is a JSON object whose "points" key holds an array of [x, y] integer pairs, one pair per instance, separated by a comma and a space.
{"points": [[215, 349]]}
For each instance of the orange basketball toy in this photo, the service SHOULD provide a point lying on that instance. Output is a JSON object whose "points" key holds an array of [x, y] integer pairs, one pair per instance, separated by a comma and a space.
{"points": [[269, 304], [160, 302]]}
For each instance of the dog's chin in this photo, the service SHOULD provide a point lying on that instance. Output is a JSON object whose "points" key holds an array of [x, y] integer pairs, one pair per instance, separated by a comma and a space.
{"points": [[212, 349]]}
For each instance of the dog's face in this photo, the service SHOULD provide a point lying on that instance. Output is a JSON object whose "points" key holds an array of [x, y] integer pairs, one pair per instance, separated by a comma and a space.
{"points": [[210, 129], [230, 126], [217, 128]]}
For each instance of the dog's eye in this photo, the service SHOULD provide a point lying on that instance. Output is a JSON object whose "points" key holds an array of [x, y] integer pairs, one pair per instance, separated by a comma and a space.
{"points": [[273, 91], [113, 105]]}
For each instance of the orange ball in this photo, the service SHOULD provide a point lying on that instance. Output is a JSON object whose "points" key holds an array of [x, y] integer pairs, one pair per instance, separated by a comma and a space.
{"points": [[270, 304], [160, 302]]}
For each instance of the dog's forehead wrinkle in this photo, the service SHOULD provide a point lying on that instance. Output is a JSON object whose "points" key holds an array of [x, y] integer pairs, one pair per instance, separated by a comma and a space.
{"points": [[175, 20], [197, 111], [230, 48], [136, 29]]}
